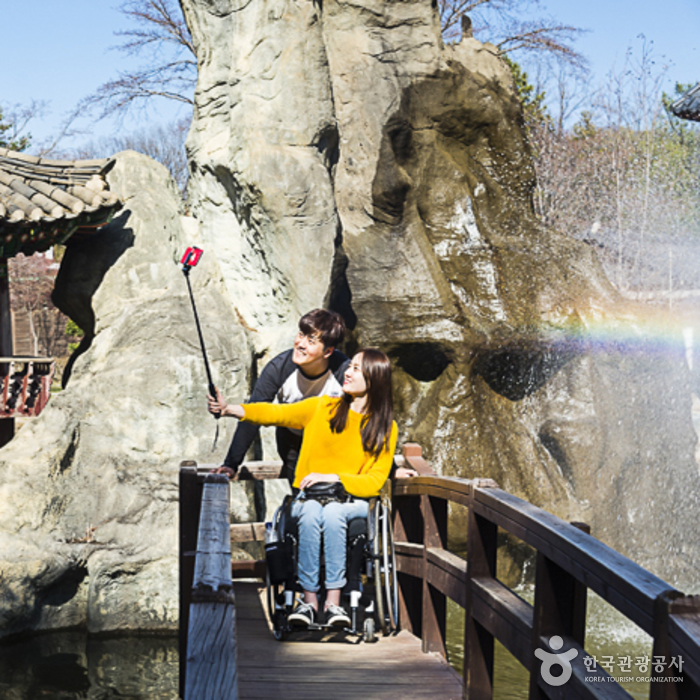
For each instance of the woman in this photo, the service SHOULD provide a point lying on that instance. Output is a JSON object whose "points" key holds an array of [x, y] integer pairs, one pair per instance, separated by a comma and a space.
{"points": [[350, 439]]}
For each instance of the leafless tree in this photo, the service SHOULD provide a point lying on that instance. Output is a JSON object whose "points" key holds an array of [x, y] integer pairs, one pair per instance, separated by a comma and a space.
{"points": [[161, 35], [624, 179], [31, 282], [14, 124], [162, 142], [501, 23]]}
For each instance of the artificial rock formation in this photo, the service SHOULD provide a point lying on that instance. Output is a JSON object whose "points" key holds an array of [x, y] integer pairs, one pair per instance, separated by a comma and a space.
{"points": [[88, 523], [341, 151], [340, 154]]}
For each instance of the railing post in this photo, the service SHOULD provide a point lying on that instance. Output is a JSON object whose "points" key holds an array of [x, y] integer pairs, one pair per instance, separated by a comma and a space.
{"points": [[212, 672], [434, 613], [408, 527], [559, 609], [664, 606], [478, 643], [189, 507]]}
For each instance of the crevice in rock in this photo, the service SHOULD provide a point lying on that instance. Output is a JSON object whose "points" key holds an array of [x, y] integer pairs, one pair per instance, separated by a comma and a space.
{"points": [[68, 457], [392, 183], [339, 295], [552, 444], [518, 371], [64, 588], [327, 142], [424, 361], [85, 263]]}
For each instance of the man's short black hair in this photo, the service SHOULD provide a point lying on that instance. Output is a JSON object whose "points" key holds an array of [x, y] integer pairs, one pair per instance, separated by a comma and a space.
{"points": [[328, 325]]}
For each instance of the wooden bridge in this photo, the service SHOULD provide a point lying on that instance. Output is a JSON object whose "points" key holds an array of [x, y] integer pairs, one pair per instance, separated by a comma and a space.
{"points": [[227, 650]]}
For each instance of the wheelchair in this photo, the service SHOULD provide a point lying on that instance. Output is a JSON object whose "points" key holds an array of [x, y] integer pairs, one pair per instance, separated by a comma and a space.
{"points": [[371, 589]]}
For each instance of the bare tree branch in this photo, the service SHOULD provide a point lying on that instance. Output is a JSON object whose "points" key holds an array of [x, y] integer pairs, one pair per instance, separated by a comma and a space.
{"points": [[500, 22], [550, 38], [162, 22], [163, 37]]}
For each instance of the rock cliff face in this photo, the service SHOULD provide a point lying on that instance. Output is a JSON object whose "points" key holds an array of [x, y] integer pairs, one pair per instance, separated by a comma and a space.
{"points": [[88, 522], [340, 154], [412, 158]]}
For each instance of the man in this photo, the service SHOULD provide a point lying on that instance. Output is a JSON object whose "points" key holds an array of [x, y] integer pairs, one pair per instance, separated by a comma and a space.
{"points": [[313, 367]]}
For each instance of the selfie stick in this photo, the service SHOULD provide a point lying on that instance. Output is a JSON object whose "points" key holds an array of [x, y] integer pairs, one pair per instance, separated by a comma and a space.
{"points": [[190, 260]]}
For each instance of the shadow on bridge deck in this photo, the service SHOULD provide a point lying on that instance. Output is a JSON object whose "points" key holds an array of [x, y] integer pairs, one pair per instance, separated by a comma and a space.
{"points": [[309, 667]]}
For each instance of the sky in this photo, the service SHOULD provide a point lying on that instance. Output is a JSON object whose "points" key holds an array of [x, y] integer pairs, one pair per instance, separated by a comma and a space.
{"points": [[59, 52]]}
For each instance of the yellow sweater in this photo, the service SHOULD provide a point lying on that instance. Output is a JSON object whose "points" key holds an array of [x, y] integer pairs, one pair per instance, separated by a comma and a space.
{"points": [[324, 451]]}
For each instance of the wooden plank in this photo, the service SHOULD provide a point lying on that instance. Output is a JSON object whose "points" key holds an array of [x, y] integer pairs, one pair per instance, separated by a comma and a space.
{"points": [[247, 532], [684, 636], [409, 558], [447, 573], [249, 568], [212, 568], [559, 609], [313, 666], [449, 488], [211, 675], [504, 615], [189, 506], [624, 584], [482, 546], [408, 529], [434, 606], [211, 670], [250, 471]]}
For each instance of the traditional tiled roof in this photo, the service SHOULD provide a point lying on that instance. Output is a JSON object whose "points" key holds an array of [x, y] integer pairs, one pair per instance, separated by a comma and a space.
{"points": [[43, 201], [688, 106]]}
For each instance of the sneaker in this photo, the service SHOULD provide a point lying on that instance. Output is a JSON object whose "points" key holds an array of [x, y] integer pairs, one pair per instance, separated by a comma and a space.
{"points": [[303, 616], [337, 617]]}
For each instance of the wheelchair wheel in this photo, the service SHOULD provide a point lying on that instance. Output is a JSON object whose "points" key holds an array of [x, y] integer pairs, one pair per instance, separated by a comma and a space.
{"points": [[278, 616], [368, 632], [385, 581]]}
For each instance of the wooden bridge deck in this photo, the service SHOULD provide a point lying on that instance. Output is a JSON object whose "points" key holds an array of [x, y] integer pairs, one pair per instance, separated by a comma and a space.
{"points": [[309, 667]]}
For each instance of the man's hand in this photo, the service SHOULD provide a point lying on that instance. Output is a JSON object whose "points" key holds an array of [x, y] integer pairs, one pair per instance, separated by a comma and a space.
{"points": [[219, 407], [223, 469]]}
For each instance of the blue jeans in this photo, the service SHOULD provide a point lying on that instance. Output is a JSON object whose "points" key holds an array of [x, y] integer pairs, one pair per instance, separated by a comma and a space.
{"points": [[331, 521]]}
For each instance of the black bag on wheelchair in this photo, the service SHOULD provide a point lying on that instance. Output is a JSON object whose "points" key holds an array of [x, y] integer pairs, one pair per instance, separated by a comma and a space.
{"points": [[279, 548], [327, 491], [279, 556]]}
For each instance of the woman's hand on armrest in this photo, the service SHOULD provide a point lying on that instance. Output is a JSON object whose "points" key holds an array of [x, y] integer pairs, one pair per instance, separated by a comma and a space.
{"points": [[316, 478], [219, 407], [404, 473]]}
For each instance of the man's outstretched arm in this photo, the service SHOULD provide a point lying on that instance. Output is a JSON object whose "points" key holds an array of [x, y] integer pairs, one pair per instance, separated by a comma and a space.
{"points": [[269, 383]]}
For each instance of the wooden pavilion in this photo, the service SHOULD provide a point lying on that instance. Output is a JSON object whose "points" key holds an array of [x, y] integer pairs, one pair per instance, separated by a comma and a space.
{"points": [[43, 203]]}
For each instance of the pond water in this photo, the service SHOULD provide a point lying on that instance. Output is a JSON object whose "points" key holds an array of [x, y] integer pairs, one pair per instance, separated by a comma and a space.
{"points": [[68, 666], [610, 638]]}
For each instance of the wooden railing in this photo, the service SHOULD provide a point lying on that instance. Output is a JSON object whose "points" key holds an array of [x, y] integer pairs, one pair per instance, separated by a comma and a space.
{"points": [[25, 385], [568, 563], [208, 669]]}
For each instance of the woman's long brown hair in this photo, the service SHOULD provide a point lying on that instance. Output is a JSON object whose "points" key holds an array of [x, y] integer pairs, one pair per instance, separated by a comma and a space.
{"points": [[376, 423]]}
